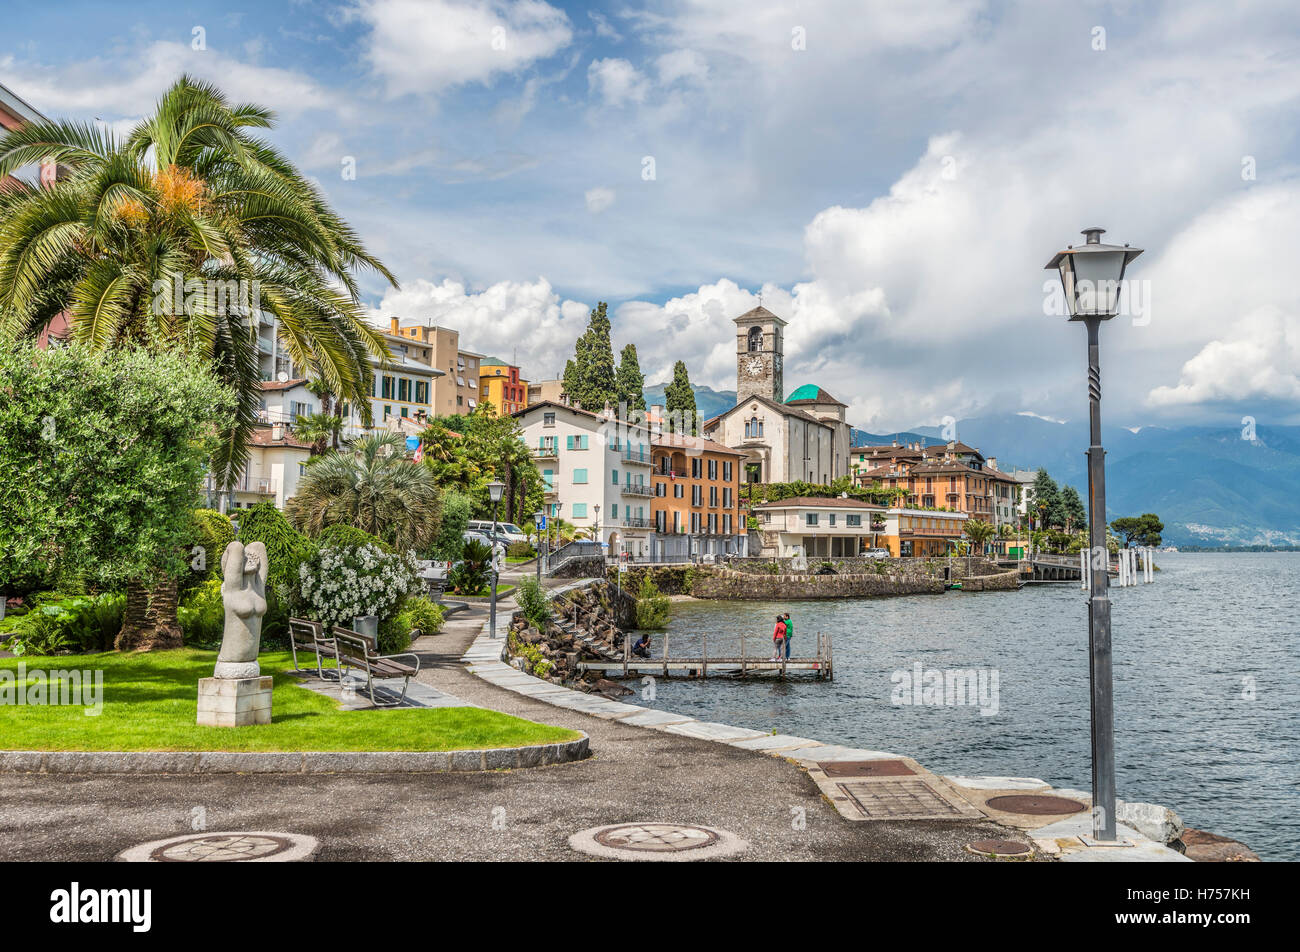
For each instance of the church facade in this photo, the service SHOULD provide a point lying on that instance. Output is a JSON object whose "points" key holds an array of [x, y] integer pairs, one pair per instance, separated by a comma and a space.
{"points": [[803, 437]]}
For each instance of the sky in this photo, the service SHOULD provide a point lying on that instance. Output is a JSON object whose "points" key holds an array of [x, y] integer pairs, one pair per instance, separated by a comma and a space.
{"points": [[890, 177]]}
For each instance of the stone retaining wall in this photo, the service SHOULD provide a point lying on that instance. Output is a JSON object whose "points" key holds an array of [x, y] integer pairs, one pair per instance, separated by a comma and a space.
{"points": [[999, 582], [586, 566], [723, 583]]}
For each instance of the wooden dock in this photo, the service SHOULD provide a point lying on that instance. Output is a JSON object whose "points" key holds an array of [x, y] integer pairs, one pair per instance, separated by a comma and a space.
{"points": [[702, 665]]}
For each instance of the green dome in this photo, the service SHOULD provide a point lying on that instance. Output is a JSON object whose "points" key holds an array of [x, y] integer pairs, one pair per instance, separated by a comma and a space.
{"points": [[808, 391]]}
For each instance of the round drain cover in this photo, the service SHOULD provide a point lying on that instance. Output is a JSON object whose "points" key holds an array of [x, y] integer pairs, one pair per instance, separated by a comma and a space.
{"points": [[999, 848], [656, 842], [257, 847], [1036, 805]]}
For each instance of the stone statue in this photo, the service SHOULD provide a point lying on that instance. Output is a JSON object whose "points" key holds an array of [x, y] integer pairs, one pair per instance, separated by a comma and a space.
{"points": [[243, 593]]}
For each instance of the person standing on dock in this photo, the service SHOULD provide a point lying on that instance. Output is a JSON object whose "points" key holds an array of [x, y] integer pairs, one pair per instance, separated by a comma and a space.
{"points": [[789, 632], [778, 638]]}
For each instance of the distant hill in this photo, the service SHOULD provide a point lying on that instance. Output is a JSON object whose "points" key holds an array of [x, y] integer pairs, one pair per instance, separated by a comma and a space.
{"points": [[708, 402]]}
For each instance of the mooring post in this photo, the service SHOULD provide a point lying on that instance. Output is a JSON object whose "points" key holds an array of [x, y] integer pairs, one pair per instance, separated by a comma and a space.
{"points": [[665, 654], [742, 655], [704, 663], [626, 652]]}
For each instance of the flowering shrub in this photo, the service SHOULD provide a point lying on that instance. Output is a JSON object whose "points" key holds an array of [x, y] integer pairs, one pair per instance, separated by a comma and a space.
{"points": [[338, 583]]}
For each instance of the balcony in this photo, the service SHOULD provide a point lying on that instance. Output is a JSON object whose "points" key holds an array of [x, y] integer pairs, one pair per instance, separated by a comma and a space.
{"points": [[546, 452], [636, 523], [636, 489], [633, 456]]}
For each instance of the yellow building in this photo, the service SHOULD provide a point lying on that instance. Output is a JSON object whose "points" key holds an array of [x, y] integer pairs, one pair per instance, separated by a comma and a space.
{"points": [[500, 383]]}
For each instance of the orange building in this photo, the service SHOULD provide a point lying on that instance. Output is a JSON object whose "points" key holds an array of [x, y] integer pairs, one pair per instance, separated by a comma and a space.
{"points": [[696, 508], [955, 477], [499, 382]]}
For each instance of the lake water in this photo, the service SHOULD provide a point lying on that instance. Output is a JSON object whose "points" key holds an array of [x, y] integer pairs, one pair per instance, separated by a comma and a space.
{"points": [[1207, 685]]}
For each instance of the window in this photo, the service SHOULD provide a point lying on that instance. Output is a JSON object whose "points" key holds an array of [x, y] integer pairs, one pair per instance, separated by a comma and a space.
{"points": [[810, 519], [386, 391], [579, 476], [548, 419], [404, 390], [579, 510], [697, 496], [613, 511], [421, 392], [678, 491], [726, 525], [548, 478], [853, 521], [388, 410], [726, 471], [755, 338], [726, 499], [696, 468], [713, 496], [713, 469], [832, 519], [405, 411]]}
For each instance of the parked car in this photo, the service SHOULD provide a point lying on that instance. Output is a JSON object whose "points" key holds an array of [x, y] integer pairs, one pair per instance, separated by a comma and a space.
{"points": [[506, 532], [876, 554], [498, 545]]}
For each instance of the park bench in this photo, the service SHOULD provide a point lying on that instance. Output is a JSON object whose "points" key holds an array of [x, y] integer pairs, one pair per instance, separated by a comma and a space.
{"points": [[309, 636], [355, 650]]}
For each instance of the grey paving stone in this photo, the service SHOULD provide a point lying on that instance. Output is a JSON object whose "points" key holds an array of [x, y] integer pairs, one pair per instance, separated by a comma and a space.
{"points": [[219, 761]]}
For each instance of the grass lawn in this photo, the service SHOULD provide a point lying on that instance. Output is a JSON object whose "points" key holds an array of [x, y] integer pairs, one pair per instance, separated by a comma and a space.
{"points": [[150, 703]]}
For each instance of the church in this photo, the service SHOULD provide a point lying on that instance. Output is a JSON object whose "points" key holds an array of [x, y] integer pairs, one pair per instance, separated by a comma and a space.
{"points": [[802, 437]]}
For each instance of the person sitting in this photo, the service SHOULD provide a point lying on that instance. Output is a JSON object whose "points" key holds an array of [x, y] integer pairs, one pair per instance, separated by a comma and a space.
{"points": [[641, 647]]}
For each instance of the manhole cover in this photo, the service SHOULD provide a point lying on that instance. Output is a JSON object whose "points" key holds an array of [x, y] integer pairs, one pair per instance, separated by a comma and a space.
{"points": [[255, 847], [674, 842], [1036, 805], [999, 848], [865, 768], [898, 800]]}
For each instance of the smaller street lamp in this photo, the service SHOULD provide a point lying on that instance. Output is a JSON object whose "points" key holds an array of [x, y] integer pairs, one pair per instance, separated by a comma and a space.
{"points": [[538, 516], [496, 489]]}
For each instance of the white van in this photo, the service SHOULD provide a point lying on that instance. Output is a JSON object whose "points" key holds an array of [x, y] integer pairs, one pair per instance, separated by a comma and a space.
{"points": [[505, 530]]}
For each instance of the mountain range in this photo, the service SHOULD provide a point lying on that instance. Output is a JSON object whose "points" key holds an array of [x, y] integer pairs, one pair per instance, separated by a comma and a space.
{"points": [[1210, 485]]}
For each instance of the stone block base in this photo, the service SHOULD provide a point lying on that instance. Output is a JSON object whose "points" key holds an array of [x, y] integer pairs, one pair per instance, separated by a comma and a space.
{"points": [[234, 702]]}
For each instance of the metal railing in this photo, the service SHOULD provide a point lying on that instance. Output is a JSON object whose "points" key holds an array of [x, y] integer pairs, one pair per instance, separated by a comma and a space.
{"points": [[546, 452], [631, 456], [636, 489]]}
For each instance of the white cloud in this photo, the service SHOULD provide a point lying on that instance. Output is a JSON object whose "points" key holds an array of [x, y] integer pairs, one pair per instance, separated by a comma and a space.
{"points": [[599, 199], [1258, 360], [523, 317], [132, 87], [681, 64], [428, 46], [616, 82]]}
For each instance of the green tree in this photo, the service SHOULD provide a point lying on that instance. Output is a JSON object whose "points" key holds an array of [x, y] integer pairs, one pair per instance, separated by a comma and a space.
{"points": [[979, 532], [1074, 516], [589, 378], [629, 381], [653, 608], [457, 510], [174, 238], [101, 460], [679, 398], [318, 429], [1046, 501], [369, 484], [1145, 529]]}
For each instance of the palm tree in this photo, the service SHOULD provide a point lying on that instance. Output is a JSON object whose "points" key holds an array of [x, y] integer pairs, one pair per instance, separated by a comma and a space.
{"points": [[175, 237], [318, 429], [979, 532], [369, 484]]}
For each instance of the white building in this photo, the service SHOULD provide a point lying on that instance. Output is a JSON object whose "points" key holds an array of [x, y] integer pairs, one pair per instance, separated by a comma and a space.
{"points": [[596, 471], [831, 527], [402, 391], [277, 459]]}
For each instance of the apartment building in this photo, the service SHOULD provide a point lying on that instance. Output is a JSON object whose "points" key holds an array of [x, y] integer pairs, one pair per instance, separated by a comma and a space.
{"points": [[596, 472], [277, 459], [696, 508], [500, 383], [832, 527], [921, 533], [950, 476], [541, 390], [401, 395], [456, 390]]}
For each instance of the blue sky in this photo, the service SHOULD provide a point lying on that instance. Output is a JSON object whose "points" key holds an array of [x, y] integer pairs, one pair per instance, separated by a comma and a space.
{"points": [[891, 177]]}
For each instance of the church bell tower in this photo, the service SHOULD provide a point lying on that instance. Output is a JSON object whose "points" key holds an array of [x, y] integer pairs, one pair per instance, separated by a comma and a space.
{"points": [[759, 346]]}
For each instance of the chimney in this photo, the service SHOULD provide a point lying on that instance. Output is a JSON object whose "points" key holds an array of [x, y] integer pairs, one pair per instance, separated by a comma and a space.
{"points": [[993, 462], [277, 432], [393, 323]]}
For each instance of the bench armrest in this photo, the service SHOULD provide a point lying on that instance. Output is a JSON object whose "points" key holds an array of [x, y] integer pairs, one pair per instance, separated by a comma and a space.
{"points": [[394, 657]]}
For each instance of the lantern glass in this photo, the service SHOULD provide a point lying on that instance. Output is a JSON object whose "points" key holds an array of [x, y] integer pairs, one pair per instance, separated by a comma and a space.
{"points": [[1097, 275], [496, 490]]}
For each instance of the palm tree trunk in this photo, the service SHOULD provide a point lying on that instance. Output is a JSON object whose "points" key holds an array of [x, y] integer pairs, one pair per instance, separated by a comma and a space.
{"points": [[150, 621]]}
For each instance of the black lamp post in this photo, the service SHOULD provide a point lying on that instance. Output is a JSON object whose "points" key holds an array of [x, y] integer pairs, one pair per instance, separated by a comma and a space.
{"points": [[1091, 276], [496, 489]]}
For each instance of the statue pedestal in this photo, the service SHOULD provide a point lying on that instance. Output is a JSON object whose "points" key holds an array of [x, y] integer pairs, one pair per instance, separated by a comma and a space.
{"points": [[234, 702]]}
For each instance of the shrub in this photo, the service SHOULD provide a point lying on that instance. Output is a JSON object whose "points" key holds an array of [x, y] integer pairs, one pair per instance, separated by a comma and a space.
{"points": [[203, 615], [213, 532], [394, 634], [652, 607], [519, 550], [470, 576], [337, 584], [60, 624], [533, 602], [448, 545], [342, 535], [423, 615], [286, 548]]}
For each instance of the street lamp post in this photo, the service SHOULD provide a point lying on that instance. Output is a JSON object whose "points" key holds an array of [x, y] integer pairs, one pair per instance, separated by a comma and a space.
{"points": [[496, 489], [537, 524], [596, 529], [1090, 277]]}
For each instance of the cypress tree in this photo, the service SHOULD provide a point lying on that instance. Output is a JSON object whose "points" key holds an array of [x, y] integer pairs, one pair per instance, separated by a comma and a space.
{"points": [[680, 399], [629, 381]]}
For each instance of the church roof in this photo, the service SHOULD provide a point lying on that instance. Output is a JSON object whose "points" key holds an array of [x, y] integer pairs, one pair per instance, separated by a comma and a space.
{"points": [[759, 313], [811, 393]]}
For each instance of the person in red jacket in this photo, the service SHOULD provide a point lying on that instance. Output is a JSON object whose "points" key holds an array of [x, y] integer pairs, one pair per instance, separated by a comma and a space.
{"points": [[778, 639]]}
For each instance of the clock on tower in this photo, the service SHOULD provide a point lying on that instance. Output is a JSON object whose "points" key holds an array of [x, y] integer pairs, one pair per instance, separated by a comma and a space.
{"points": [[759, 345]]}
